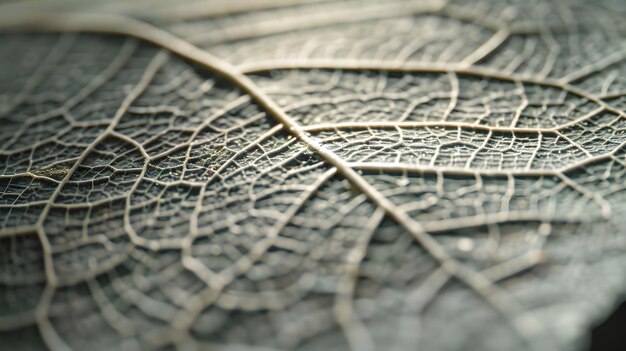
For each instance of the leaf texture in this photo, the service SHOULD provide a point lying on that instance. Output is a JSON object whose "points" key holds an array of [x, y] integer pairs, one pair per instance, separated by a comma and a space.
{"points": [[282, 175]]}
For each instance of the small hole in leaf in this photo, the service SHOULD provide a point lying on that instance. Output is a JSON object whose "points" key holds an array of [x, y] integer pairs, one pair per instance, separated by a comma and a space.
{"points": [[610, 334]]}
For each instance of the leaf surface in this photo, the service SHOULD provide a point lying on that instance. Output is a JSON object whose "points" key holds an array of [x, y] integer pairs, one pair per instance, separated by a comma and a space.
{"points": [[311, 175]]}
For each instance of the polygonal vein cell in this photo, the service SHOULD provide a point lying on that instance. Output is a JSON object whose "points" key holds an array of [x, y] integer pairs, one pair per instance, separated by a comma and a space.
{"points": [[253, 39], [324, 97]]}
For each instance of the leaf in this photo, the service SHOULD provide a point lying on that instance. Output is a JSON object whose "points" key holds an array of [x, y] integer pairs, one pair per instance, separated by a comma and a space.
{"points": [[311, 175]]}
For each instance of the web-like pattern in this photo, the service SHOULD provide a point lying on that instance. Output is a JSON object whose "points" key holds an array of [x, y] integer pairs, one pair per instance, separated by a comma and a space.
{"points": [[280, 175]]}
